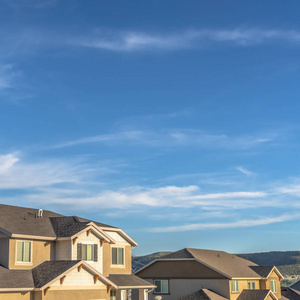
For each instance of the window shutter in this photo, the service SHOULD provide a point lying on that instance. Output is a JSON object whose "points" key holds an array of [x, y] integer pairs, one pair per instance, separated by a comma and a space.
{"points": [[79, 251], [96, 252]]}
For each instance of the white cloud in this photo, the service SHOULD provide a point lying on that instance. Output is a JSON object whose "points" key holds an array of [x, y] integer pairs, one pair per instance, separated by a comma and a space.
{"points": [[7, 74], [164, 197], [174, 137], [18, 174], [237, 224], [137, 41], [7, 161], [244, 171]]}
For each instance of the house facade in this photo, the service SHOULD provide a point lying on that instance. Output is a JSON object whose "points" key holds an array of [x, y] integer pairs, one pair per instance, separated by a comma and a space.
{"points": [[195, 274], [44, 255]]}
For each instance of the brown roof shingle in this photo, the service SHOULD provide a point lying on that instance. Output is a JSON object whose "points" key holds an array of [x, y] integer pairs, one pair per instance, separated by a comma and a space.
{"points": [[253, 295], [15, 279], [49, 270], [23, 220], [203, 294], [129, 280], [228, 264]]}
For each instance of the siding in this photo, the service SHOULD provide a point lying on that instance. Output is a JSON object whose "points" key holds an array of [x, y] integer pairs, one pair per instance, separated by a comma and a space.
{"points": [[63, 250], [82, 278], [4, 251], [183, 287], [90, 239]]}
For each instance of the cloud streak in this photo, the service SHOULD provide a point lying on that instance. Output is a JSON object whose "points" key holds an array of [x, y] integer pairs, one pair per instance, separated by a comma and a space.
{"points": [[174, 137], [237, 224], [137, 41]]}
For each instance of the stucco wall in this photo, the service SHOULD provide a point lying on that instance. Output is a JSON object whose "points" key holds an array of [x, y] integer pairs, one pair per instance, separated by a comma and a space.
{"points": [[182, 287], [41, 251], [243, 285], [77, 294], [16, 296], [274, 276], [4, 252], [89, 239], [63, 250], [108, 268]]}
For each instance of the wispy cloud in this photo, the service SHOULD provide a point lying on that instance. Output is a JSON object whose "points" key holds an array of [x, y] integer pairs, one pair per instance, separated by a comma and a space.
{"points": [[244, 171], [178, 137], [7, 74], [237, 224], [127, 41]]}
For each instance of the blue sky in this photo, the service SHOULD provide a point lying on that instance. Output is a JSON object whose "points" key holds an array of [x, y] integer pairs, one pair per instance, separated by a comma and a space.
{"points": [[176, 121]]}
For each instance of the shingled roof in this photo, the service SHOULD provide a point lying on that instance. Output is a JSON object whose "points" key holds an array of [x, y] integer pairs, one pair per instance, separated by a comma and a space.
{"points": [[203, 294], [129, 280], [23, 220], [253, 295], [49, 270], [21, 279], [263, 271], [228, 264]]}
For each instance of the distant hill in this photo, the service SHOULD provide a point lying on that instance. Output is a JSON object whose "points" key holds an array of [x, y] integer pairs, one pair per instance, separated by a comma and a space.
{"points": [[288, 262]]}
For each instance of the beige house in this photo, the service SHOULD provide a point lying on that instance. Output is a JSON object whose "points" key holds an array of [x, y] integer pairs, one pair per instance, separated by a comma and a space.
{"points": [[44, 255], [194, 274]]}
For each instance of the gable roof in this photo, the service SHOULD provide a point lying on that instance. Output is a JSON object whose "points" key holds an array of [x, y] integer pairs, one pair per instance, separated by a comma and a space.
{"points": [[22, 222], [49, 270], [225, 263], [16, 279], [265, 271], [203, 294], [255, 295]]}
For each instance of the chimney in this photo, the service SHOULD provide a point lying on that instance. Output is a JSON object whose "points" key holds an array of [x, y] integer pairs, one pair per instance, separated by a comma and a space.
{"points": [[40, 213]]}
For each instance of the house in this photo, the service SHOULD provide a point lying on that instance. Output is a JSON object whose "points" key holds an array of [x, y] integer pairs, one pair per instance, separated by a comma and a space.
{"points": [[195, 274], [293, 291], [290, 293], [45, 255]]}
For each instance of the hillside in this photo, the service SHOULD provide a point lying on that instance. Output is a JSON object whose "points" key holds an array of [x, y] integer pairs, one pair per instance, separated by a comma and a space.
{"points": [[288, 262]]}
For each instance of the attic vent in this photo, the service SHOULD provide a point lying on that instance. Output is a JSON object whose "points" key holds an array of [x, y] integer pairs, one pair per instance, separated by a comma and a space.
{"points": [[40, 213]]}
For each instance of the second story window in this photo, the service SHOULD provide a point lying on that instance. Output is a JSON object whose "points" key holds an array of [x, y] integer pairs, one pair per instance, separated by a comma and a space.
{"points": [[117, 256], [251, 285], [162, 286], [273, 286], [23, 251], [234, 286], [88, 252]]}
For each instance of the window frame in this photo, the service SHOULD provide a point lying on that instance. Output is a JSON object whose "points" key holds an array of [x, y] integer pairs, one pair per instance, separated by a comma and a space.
{"points": [[113, 295], [251, 285], [271, 285], [93, 253], [123, 251], [233, 290], [23, 253], [161, 293]]}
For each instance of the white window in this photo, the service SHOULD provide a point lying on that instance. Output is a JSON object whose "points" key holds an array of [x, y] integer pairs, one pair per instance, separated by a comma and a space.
{"points": [[251, 285], [234, 286], [117, 256], [113, 295], [162, 286], [88, 252], [273, 286], [123, 294], [23, 251]]}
